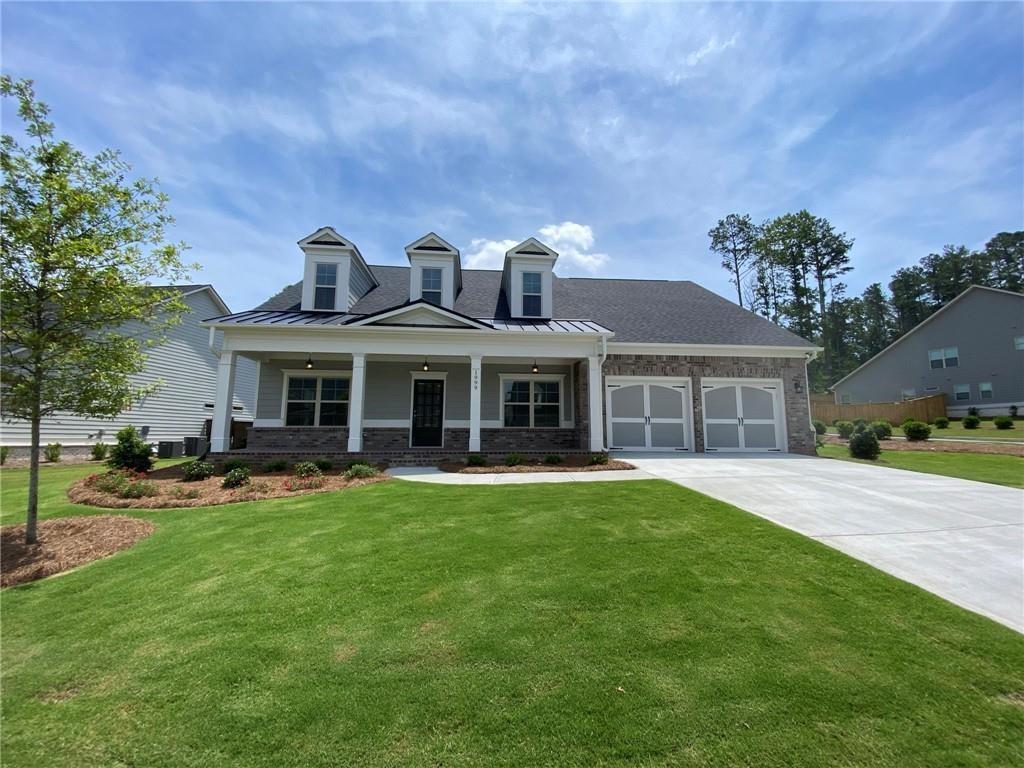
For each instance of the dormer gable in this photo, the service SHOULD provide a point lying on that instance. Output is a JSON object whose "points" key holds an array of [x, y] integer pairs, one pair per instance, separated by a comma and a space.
{"points": [[435, 270], [334, 276], [422, 313], [528, 279]]}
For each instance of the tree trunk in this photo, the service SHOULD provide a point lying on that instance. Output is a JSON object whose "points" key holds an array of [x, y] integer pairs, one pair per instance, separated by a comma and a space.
{"points": [[33, 484], [826, 353], [739, 289]]}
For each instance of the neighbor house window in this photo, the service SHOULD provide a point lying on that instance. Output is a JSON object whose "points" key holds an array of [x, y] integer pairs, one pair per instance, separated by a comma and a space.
{"points": [[532, 403], [430, 287], [1018, 343], [931, 389], [944, 357], [532, 294], [908, 394], [326, 286], [985, 390], [845, 399], [962, 392], [316, 401]]}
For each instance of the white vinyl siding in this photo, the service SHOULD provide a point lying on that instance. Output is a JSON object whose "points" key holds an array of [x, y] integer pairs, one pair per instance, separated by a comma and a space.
{"points": [[187, 372]]}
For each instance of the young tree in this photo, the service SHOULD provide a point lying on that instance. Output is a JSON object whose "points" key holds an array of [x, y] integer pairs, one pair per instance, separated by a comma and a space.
{"points": [[79, 243], [734, 238], [1005, 253]]}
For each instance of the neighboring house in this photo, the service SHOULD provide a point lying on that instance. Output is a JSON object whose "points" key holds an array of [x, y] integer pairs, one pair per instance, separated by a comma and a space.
{"points": [[414, 363], [971, 350], [185, 368]]}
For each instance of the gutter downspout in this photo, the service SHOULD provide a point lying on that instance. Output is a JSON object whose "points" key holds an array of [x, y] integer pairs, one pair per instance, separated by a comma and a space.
{"points": [[811, 357], [213, 340]]}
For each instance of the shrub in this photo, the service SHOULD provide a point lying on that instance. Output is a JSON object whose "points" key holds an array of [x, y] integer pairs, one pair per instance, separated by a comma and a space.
{"points": [[882, 429], [864, 445], [1003, 422], [971, 422], [940, 422], [819, 427], [513, 460], [236, 478], [476, 460], [131, 451], [324, 465], [973, 411], [845, 429], [553, 458], [307, 469], [52, 452], [277, 465], [916, 430], [304, 483], [360, 470], [197, 470], [179, 492], [99, 451], [5, 450], [109, 482], [860, 426], [139, 488], [599, 458], [860, 422], [1013, 411], [232, 464]]}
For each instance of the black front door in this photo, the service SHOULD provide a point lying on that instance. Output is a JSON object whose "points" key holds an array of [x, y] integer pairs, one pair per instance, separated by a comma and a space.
{"points": [[427, 411]]}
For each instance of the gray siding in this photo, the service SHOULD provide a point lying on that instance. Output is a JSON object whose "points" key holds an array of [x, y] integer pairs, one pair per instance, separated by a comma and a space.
{"points": [[982, 325], [360, 282], [389, 387], [185, 371]]}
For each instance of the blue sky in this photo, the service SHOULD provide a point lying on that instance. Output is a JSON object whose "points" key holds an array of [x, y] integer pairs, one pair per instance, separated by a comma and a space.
{"points": [[617, 133]]}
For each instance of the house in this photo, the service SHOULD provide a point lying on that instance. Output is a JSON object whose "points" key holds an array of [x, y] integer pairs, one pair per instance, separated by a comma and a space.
{"points": [[184, 367], [971, 350], [419, 362]]}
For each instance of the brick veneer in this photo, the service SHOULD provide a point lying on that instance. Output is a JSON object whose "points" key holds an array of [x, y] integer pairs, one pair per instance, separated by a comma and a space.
{"points": [[789, 370]]}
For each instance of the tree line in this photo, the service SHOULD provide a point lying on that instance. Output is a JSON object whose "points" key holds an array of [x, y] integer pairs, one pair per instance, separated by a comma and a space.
{"points": [[789, 270]]}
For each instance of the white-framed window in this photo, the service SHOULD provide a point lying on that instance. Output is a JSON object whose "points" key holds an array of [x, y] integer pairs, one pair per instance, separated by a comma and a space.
{"points": [[985, 390], [845, 399], [908, 394], [1018, 343], [961, 391], [532, 294], [531, 401], [431, 282], [944, 357], [319, 400], [325, 286]]}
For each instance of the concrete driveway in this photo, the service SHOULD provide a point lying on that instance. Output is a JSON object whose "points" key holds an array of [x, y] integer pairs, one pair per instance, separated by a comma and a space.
{"points": [[960, 539]]}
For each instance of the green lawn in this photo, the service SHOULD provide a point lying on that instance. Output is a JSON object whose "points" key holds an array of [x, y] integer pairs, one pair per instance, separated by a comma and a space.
{"points": [[983, 467], [986, 431], [589, 624]]}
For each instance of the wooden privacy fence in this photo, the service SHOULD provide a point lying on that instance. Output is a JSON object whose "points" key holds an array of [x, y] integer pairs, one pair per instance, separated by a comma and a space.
{"points": [[925, 409]]}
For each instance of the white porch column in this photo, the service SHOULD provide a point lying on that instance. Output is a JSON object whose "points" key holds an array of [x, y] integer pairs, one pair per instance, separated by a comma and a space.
{"points": [[355, 403], [475, 383], [594, 391], [220, 428]]}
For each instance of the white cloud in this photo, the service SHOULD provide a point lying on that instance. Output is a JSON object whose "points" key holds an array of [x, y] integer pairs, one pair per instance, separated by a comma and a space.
{"points": [[572, 241]]}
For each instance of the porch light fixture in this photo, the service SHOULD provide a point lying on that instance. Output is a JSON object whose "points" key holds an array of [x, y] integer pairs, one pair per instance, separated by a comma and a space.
{"points": [[309, 363], [535, 368], [426, 365]]}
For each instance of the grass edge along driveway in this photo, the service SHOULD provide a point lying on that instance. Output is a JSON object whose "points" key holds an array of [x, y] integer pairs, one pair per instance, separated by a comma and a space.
{"points": [[630, 623], [999, 469]]}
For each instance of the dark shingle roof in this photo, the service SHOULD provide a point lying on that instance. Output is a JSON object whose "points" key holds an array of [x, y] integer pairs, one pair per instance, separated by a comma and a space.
{"points": [[642, 311]]}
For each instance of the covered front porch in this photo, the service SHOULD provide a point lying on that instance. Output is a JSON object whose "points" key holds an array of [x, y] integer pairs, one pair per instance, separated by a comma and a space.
{"points": [[413, 408]]}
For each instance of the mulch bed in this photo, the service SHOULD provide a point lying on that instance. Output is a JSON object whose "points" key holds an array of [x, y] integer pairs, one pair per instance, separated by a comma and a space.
{"points": [[65, 543], [940, 446], [173, 488], [573, 464]]}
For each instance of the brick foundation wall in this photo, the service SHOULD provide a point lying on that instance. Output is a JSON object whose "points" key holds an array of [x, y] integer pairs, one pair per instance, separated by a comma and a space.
{"points": [[311, 440], [788, 370]]}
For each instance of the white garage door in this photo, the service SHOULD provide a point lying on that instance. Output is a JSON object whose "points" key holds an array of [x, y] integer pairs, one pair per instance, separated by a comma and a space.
{"points": [[743, 415], [648, 413]]}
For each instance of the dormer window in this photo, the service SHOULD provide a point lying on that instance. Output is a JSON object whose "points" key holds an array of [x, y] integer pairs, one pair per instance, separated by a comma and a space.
{"points": [[326, 287], [432, 285], [532, 294]]}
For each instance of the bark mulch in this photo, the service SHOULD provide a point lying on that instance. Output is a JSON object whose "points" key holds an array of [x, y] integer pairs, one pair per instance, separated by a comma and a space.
{"points": [[569, 465], [940, 446], [65, 543]]}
